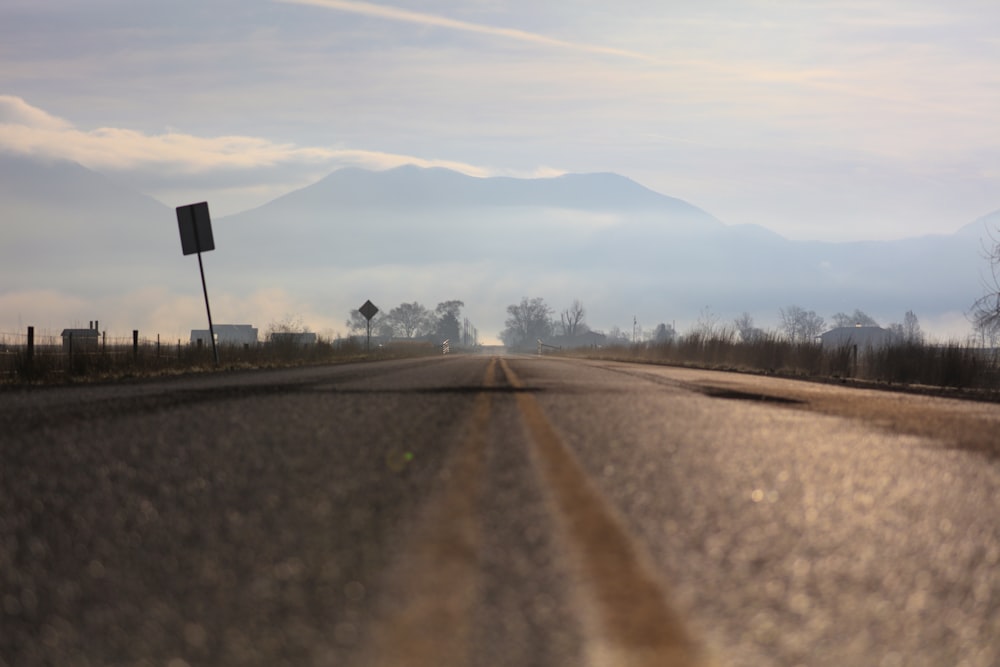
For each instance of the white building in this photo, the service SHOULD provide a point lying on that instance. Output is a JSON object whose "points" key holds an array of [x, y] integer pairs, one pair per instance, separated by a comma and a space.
{"points": [[226, 334], [860, 337]]}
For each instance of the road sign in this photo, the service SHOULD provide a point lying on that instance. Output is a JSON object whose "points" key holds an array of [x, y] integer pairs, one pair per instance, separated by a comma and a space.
{"points": [[196, 237], [196, 228], [368, 310]]}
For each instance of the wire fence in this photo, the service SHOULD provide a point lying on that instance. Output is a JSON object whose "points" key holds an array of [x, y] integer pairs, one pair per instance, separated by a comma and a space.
{"points": [[953, 366], [33, 357]]}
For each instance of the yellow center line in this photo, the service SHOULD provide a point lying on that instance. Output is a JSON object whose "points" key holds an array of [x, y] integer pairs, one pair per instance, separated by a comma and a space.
{"points": [[634, 625], [435, 583]]}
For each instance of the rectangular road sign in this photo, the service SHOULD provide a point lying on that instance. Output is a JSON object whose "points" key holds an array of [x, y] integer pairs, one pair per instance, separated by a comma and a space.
{"points": [[196, 228]]}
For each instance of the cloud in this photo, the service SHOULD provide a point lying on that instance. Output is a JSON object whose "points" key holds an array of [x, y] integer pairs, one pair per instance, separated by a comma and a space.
{"points": [[236, 172], [16, 112], [407, 16], [28, 130]]}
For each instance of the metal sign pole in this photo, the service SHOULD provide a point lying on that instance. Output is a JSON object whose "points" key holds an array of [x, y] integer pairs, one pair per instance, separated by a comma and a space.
{"points": [[208, 309], [195, 226], [368, 310]]}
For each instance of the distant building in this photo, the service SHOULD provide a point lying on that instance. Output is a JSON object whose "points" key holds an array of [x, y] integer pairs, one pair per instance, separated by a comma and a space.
{"points": [[81, 340], [586, 339], [858, 336], [226, 334]]}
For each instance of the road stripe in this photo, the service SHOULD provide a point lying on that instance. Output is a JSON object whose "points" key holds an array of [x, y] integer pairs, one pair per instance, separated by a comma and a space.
{"points": [[632, 623], [436, 582]]}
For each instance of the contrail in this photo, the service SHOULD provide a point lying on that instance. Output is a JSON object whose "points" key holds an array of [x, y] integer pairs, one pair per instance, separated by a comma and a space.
{"points": [[396, 14]]}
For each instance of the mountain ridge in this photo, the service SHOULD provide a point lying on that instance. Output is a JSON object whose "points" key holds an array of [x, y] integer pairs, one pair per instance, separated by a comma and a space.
{"points": [[26, 178], [410, 185], [487, 241]]}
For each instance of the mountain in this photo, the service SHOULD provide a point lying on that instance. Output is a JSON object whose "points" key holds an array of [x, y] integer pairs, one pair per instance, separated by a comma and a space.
{"points": [[594, 234], [411, 187], [63, 219], [414, 234], [408, 215]]}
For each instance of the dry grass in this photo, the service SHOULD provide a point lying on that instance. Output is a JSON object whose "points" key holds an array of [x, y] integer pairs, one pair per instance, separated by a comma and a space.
{"points": [[51, 364], [950, 365]]}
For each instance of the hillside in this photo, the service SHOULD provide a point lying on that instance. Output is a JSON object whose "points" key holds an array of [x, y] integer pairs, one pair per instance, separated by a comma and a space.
{"points": [[79, 228]]}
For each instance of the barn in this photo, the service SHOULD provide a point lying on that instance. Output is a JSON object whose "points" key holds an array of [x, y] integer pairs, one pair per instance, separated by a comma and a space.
{"points": [[859, 337]]}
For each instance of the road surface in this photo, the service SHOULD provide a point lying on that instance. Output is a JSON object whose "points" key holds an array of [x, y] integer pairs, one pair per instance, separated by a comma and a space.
{"points": [[494, 511]]}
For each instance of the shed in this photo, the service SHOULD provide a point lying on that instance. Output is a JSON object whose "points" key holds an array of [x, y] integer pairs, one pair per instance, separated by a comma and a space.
{"points": [[80, 340]]}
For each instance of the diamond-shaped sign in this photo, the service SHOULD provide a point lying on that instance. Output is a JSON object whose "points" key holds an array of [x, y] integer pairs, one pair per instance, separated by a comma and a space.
{"points": [[368, 310]]}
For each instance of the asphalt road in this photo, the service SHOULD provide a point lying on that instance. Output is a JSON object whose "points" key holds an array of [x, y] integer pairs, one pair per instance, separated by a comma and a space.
{"points": [[492, 511]]}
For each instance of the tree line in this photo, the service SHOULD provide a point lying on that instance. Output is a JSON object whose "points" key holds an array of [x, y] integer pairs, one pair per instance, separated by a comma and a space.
{"points": [[798, 325], [532, 319], [414, 320]]}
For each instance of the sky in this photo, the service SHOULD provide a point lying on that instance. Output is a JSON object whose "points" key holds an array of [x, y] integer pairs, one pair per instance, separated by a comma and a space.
{"points": [[818, 119]]}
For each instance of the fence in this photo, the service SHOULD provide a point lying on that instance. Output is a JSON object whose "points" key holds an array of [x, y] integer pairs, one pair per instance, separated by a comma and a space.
{"points": [[30, 356], [950, 365]]}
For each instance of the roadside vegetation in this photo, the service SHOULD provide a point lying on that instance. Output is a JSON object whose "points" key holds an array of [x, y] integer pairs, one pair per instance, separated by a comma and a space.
{"points": [[901, 357], [904, 357], [51, 363], [952, 366], [409, 330]]}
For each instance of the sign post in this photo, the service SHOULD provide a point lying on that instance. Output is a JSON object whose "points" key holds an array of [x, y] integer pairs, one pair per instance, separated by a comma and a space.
{"points": [[196, 237], [368, 310]]}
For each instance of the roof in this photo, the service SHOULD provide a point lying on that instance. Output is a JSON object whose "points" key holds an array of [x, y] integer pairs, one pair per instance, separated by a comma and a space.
{"points": [[856, 329], [873, 336]]}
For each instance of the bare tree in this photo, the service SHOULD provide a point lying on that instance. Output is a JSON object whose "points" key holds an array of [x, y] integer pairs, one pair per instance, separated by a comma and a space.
{"points": [[616, 336], [410, 319], [527, 322], [453, 307], [290, 324], [447, 325], [800, 325], [572, 320], [988, 331], [748, 332], [910, 329], [357, 323], [985, 314], [663, 333], [707, 324], [858, 317], [381, 324]]}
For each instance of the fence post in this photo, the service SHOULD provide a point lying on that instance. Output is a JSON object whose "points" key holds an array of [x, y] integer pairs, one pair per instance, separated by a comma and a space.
{"points": [[157, 346], [31, 345], [135, 344]]}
